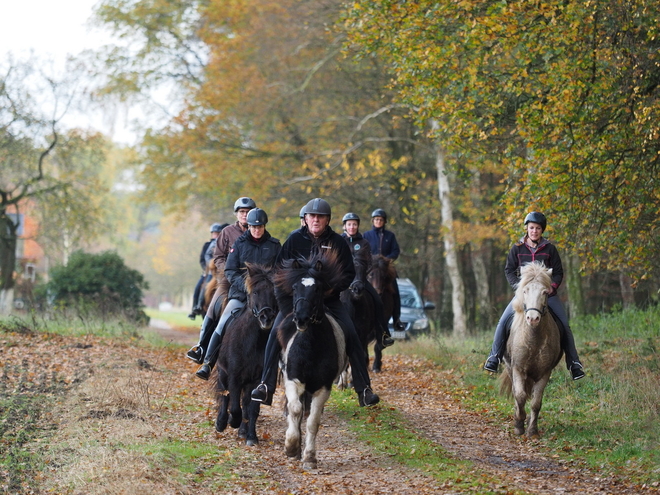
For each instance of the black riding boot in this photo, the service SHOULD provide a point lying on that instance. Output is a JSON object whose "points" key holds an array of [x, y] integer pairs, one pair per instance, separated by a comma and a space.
{"points": [[211, 357], [265, 390], [499, 340], [197, 352]]}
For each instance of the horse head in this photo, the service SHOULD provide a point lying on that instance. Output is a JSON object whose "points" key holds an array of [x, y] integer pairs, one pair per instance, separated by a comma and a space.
{"points": [[382, 274], [261, 295], [533, 290], [309, 282]]}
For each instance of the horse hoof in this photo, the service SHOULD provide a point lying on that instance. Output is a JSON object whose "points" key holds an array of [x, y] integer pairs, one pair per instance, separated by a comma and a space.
{"points": [[376, 370], [251, 442], [220, 426], [309, 465]]}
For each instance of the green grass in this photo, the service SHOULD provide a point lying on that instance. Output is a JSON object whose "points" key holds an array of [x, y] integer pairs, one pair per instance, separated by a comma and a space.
{"points": [[387, 432], [607, 421], [176, 318]]}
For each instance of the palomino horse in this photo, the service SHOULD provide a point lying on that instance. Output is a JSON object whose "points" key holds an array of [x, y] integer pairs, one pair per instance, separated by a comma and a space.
{"points": [[241, 357], [314, 349], [361, 306], [533, 348]]}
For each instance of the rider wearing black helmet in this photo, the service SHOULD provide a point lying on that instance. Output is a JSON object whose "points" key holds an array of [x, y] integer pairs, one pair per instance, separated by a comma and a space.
{"points": [[383, 242], [254, 246], [303, 243], [357, 243], [198, 295], [534, 247], [224, 242]]}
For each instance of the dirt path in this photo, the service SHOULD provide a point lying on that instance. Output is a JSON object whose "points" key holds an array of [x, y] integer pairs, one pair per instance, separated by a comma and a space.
{"points": [[125, 402]]}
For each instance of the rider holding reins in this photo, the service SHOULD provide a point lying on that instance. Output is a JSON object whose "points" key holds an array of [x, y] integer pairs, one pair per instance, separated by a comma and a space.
{"points": [[534, 247]]}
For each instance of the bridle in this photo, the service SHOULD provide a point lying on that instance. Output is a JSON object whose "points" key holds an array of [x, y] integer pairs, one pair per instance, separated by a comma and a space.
{"points": [[541, 311], [314, 318], [258, 314]]}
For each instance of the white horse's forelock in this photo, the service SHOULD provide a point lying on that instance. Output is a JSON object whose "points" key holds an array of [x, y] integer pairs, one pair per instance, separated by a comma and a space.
{"points": [[308, 281]]}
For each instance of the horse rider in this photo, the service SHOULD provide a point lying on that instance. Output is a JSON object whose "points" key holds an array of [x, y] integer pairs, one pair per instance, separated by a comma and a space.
{"points": [[204, 259], [302, 216], [534, 247], [356, 242], [383, 242], [256, 246], [315, 236], [224, 242]]}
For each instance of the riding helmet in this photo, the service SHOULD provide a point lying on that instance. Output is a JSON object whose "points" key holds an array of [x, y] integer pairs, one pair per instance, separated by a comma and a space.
{"points": [[350, 216], [536, 217], [216, 227], [257, 216], [318, 206], [244, 202], [302, 212], [379, 212]]}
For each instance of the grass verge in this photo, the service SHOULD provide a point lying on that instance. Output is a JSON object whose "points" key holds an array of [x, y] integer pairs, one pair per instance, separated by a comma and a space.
{"points": [[608, 421]]}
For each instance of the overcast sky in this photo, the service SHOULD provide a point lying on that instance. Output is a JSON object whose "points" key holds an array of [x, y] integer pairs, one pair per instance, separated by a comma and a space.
{"points": [[52, 30]]}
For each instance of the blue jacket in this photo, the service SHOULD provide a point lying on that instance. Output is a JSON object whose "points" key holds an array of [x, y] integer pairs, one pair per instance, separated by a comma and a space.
{"points": [[382, 242]]}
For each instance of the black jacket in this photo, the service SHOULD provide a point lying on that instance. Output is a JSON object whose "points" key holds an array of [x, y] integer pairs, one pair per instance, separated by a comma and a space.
{"points": [[521, 254], [246, 249], [301, 244]]}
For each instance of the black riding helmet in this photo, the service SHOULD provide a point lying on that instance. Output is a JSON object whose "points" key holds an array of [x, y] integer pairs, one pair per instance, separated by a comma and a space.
{"points": [[244, 202], [318, 206], [216, 227], [302, 211], [379, 212], [350, 216], [257, 216], [536, 217]]}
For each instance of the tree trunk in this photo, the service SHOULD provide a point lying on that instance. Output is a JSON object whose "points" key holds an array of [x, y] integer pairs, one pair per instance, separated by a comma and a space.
{"points": [[451, 254], [627, 293], [8, 240], [574, 286]]}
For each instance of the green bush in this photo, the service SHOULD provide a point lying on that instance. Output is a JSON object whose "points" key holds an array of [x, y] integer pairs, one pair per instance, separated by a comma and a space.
{"points": [[99, 283]]}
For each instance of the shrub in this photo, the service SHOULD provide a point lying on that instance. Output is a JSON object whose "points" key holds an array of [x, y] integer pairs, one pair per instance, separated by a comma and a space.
{"points": [[100, 282]]}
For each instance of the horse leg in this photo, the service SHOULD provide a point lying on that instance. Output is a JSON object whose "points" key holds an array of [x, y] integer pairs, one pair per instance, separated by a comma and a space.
{"points": [[235, 413], [535, 406], [313, 421], [294, 418], [520, 398], [252, 409], [378, 356], [221, 420]]}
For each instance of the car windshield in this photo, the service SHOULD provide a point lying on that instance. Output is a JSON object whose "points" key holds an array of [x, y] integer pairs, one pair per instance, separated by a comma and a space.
{"points": [[410, 298]]}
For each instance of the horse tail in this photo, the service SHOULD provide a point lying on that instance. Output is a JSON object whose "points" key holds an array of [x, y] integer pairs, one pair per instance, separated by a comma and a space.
{"points": [[506, 386]]}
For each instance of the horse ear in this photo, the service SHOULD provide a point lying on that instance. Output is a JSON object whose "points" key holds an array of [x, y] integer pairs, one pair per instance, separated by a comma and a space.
{"points": [[550, 271], [318, 266], [295, 264]]}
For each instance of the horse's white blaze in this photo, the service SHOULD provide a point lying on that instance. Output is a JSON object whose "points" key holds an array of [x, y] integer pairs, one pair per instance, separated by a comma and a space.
{"points": [[308, 281]]}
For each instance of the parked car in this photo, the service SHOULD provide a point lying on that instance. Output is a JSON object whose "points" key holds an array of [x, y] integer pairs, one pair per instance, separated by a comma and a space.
{"points": [[413, 311]]}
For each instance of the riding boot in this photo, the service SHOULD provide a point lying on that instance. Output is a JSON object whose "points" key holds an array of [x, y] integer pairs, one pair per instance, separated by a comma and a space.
{"points": [[396, 308], [385, 336], [265, 390], [211, 357], [573, 363], [499, 340]]}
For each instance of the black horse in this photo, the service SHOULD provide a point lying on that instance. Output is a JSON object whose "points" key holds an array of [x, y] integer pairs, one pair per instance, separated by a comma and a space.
{"points": [[382, 276], [241, 357], [314, 349], [362, 307]]}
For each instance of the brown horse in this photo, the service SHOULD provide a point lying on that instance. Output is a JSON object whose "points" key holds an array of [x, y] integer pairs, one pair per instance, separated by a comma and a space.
{"points": [[211, 286], [382, 276], [533, 348]]}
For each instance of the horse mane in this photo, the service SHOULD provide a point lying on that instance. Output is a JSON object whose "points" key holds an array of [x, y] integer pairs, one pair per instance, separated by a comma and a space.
{"points": [[255, 275], [384, 266], [532, 272], [324, 267]]}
